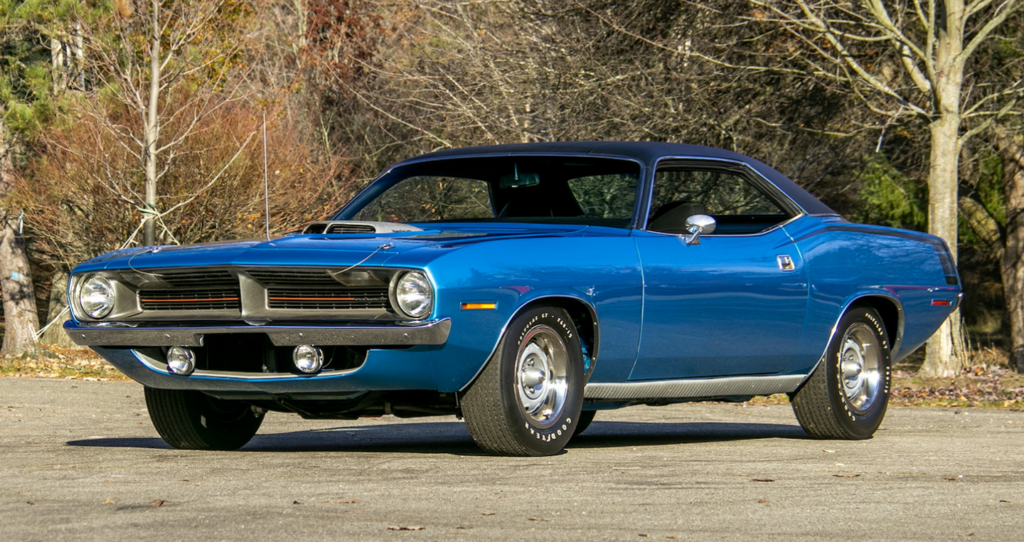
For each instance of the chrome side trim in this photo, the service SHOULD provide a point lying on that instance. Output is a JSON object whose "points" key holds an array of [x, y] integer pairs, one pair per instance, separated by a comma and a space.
{"points": [[697, 387], [435, 332]]}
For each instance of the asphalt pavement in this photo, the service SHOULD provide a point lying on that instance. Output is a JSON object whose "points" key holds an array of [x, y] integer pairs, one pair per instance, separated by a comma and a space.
{"points": [[80, 460]]}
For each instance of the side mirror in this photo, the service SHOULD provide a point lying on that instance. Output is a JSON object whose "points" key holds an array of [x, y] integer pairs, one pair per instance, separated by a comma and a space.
{"points": [[696, 225]]}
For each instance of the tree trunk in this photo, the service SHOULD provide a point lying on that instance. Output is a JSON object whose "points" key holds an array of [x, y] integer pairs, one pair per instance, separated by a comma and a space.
{"points": [[20, 319], [152, 127], [21, 322], [1011, 149], [57, 313], [940, 359]]}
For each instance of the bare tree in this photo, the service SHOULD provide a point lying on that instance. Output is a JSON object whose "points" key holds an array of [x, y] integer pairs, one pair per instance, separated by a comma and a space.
{"points": [[905, 59], [158, 52], [443, 74]]}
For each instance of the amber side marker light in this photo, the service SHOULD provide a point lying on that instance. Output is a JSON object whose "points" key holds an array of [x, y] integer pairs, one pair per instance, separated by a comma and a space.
{"points": [[479, 306]]}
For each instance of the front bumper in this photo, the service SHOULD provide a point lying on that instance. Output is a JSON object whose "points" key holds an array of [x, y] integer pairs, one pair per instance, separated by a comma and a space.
{"points": [[426, 333]]}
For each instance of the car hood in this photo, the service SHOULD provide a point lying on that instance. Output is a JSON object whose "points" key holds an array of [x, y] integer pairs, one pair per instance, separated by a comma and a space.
{"points": [[322, 249]]}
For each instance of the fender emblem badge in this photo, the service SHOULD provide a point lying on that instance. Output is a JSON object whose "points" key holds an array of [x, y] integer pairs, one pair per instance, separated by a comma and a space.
{"points": [[785, 262]]}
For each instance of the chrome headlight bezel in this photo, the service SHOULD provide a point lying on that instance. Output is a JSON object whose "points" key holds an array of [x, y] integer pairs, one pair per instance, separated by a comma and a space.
{"points": [[89, 296], [412, 294]]}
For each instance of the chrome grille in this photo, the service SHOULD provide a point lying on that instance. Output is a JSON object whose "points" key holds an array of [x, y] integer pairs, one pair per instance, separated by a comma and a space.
{"points": [[339, 298], [191, 299], [265, 293]]}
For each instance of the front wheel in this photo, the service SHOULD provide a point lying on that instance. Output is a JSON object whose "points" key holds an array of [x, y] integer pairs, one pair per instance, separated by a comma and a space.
{"points": [[527, 400], [846, 396], [586, 418], [190, 420]]}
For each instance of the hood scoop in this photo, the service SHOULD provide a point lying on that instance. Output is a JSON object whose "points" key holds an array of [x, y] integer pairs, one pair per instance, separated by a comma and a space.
{"points": [[350, 226]]}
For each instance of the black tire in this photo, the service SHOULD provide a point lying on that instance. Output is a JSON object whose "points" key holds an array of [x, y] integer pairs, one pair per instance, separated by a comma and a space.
{"points": [[840, 401], [586, 418], [190, 420], [497, 415]]}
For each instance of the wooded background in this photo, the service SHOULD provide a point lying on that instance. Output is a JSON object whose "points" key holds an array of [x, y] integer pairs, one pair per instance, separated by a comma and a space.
{"points": [[132, 122]]}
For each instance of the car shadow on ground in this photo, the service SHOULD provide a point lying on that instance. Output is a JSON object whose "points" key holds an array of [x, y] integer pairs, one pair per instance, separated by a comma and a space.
{"points": [[453, 438]]}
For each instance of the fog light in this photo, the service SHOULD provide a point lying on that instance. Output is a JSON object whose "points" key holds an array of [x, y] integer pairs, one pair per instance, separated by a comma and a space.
{"points": [[308, 358], [181, 361]]}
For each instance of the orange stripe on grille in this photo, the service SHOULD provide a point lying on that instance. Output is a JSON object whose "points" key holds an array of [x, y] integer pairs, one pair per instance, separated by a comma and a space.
{"points": [[312, 299], [189, 300]]}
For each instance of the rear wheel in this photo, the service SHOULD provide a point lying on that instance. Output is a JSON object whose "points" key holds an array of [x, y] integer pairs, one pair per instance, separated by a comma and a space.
{"points": [[846, 397], [190, 420], [526, 401]]}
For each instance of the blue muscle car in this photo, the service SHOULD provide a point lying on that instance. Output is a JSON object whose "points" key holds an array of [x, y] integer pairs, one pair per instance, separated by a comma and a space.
{"points": [[524, 288]]}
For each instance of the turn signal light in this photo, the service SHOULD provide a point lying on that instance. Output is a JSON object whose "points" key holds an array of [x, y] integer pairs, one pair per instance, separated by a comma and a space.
{"points": [[479, 306]]}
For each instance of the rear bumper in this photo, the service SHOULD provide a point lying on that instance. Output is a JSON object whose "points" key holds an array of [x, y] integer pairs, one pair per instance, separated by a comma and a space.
{"points": [[427, 333]]}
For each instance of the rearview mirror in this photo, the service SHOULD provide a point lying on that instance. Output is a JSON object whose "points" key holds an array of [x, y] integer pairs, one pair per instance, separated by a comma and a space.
{"points": [[518, 179]]}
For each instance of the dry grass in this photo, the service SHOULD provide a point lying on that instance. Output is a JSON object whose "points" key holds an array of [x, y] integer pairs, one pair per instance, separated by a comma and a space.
{"points": [[991, 386], [66, 363]]}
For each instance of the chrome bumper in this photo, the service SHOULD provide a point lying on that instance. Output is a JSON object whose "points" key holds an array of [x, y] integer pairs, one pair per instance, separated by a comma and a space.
{"points": [[435, 332]]}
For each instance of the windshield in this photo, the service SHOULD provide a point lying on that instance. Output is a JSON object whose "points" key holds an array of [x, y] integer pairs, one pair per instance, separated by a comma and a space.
{"points": [[545, 189]]}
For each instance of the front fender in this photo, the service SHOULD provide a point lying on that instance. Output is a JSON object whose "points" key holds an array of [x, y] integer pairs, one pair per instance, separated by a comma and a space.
{"points": [[601, 272]]}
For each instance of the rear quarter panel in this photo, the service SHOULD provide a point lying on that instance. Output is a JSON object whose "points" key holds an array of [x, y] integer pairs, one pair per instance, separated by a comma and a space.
{"points": [[846, 262]]}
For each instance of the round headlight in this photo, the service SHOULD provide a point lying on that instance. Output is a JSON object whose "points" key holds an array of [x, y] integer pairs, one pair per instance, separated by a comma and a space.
{"points": [[414, 295], [96, 296]]}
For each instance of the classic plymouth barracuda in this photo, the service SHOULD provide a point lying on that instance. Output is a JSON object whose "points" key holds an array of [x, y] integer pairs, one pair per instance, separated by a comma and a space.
{"points": [[524, 288]]}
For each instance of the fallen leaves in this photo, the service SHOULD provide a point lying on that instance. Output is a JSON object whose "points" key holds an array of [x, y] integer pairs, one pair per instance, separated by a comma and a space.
{"points": [[536, 519], [157, 503], [63, 363], [487, 513], [407, 528], [762, 501], [990, 386], [846, 475]]}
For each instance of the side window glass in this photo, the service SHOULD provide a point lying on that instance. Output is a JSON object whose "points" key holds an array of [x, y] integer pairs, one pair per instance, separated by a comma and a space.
{"points": [[605, 196], [430, 198], [737, 206]]}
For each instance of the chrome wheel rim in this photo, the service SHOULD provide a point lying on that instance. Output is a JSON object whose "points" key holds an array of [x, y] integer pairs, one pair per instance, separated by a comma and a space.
{"points": [[542, 382], [860, 376]]}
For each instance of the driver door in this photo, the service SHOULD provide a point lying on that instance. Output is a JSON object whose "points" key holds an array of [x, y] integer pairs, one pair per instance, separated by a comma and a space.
{"points": [[734, 302]]}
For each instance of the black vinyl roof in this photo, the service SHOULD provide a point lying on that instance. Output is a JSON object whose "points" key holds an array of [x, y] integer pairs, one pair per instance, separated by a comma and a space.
{"points": [[648, 152]]}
